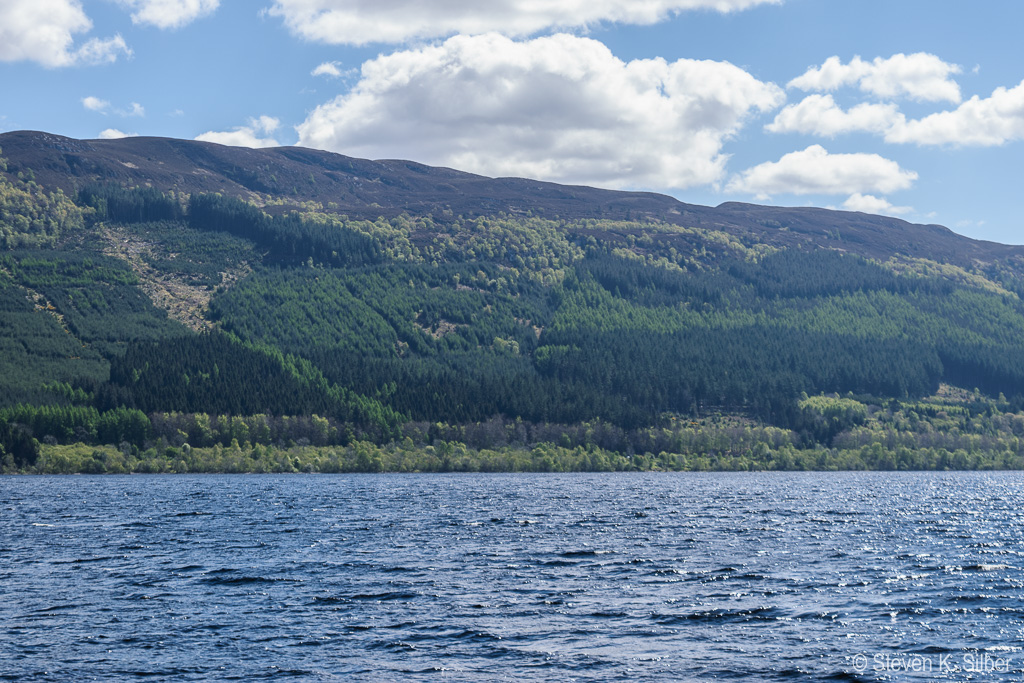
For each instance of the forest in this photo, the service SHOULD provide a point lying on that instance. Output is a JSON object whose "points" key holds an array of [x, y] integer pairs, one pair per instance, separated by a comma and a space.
{"points": [[144, 330]]}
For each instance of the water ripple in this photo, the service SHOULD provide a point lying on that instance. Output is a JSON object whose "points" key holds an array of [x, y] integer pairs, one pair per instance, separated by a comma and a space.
{"points": [[626, 577]]}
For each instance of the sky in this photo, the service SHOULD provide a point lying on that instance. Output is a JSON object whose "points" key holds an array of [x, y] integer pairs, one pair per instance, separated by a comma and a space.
{"points": [[907, 108]]}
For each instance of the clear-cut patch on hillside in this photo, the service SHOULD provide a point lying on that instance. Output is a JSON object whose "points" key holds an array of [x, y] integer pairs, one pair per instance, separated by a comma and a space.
{"points": [[184, 301]]}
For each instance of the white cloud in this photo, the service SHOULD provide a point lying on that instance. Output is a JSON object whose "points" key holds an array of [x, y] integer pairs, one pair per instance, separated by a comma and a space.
{"points": [[43, 31], [359, 22], [988, 122], [95, 104], [246, 136], [559, 108], [330, 69], [167, 14], [815, 171], [98, 51], [115, 134], [103, 107], [920, 76], [820, 115], [867, 203]]}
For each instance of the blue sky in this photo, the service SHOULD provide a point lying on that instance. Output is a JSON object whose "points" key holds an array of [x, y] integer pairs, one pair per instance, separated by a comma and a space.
{"points": [[911, 108]]}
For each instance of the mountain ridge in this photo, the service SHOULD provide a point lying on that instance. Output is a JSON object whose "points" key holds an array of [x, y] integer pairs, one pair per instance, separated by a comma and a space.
{"points": [[367, 189]]}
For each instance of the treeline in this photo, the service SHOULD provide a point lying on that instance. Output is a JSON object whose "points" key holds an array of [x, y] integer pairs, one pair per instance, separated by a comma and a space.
{"points": [[19, 450], [96, 298], [392, 310], [30, 216], [758, 370], [478, 385], [366, 457], [845, 424], [212, 373], [203, 430], [817, 273], [451, 343], [868, 434], [751, 338], [135, 205], [35, 349], [85, 424], [624, 341], [635, 280], [995, 369], [288, 239], [24, 427]]}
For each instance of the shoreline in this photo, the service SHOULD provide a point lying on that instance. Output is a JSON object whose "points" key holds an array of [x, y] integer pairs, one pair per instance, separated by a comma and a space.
{"points": [[364, 457]]}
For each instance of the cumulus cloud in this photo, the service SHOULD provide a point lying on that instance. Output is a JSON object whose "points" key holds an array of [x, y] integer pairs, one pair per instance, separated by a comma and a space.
{"points": [[44, 31], [820, 115], [559, 108], [815, 171], [246, 136], [980, 122], [359, 22], [95, 104], [168, 14], [866, 203], [988, 122], [329, 69], [115, 134], [920, 76]]}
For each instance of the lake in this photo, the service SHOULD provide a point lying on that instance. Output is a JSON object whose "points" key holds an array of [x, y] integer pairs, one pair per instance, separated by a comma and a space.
{"points": [[530, 577]]}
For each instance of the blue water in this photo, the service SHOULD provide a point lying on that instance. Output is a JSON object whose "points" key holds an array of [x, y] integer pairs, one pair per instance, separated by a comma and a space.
{"points": [[631, 577]]}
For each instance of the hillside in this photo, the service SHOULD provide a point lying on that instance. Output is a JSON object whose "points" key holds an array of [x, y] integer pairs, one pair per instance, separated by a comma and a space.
{"points": [[367, 189], [158, 292]]}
